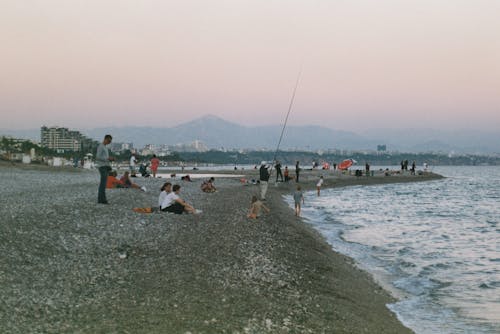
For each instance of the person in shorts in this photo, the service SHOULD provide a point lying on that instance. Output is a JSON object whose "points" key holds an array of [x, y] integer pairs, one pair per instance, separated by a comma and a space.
{"points": [[298, 197], [319, 184]]}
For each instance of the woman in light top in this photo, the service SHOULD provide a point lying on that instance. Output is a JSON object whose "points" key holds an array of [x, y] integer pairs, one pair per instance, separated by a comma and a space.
{"points": [[164, 191], [173, 203]]}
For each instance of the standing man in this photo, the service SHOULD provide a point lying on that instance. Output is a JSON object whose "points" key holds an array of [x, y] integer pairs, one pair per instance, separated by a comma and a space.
{"points": [[264, 179], [297, 171], [278, 171], [103, 163], [132, 163]]}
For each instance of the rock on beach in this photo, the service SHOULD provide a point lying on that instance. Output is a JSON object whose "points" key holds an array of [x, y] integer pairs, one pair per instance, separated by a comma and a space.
{"points": [[69, 265]]}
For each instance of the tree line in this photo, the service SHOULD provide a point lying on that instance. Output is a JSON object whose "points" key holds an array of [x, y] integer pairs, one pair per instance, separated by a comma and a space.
{"points": [[11, 145]]}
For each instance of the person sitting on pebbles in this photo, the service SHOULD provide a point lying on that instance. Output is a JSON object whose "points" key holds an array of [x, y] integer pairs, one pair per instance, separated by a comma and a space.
{"points": [[127, 182], [173, 203], [256, 208], [208, 186], [113, 182], [165, 189]]}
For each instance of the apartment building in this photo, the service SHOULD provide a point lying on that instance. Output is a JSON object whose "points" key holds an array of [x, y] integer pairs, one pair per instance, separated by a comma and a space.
{"points": [[64, 140]]}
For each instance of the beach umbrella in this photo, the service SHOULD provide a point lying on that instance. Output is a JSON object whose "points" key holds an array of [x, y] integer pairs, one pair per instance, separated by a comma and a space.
{"points": [[345, 164]]}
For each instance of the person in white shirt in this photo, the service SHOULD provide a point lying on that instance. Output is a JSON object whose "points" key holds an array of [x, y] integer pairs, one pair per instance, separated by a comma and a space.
{"points": [[173, 203], [165, 190], [132, 163], [319, 184]]}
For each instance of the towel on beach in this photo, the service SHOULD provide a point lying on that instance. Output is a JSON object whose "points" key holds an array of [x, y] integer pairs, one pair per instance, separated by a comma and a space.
{"points": [[143, 210]]}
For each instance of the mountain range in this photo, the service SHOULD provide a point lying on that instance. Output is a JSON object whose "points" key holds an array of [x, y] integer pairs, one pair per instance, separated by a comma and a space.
{"points": [[216, 132]]}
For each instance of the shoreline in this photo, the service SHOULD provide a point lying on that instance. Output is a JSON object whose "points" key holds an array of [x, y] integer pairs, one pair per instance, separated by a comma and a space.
{"points": [[217, 272]]}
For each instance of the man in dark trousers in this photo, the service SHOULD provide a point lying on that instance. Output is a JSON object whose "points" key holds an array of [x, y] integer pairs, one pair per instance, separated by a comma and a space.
{"points": [[103, 164], [297, 171], [278, 171]]}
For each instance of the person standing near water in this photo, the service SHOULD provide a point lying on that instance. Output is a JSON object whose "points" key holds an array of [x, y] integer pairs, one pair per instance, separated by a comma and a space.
{"points": [[297, 171], [319, 184], [264, 179], [298, 197], [278, 171], [103, 163]]}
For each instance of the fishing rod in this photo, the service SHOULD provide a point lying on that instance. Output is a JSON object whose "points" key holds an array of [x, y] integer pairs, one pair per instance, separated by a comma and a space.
{"points": [[287, 114]]}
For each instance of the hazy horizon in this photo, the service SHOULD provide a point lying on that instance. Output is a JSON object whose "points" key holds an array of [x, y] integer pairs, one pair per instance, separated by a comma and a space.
{"points": [[365, 65], [280, 124]]}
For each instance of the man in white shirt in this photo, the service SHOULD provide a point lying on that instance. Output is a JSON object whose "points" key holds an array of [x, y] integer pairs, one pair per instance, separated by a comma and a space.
{"points": [[132, 163], [173, 203]]}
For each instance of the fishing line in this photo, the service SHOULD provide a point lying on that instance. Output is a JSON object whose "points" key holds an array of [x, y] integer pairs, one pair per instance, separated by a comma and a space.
{"points": [[287, 114]]}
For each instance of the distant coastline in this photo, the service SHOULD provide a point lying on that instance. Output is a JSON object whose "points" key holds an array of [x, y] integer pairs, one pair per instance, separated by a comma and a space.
{"points": [[217, 133]]}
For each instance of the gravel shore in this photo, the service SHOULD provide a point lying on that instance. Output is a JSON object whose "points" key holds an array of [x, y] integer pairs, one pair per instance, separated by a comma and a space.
{"points": [[69, 265]]}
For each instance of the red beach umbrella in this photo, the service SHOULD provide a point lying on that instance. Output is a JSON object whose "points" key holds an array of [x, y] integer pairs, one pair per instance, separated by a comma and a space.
{"points": [[345, 164]]}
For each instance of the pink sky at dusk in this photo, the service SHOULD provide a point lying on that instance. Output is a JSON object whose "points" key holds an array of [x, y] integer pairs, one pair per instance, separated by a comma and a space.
{"points": [[365, 64]]}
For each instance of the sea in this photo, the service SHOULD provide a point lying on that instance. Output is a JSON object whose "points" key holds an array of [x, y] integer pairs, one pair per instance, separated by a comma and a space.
{"points": [[434, 245]]}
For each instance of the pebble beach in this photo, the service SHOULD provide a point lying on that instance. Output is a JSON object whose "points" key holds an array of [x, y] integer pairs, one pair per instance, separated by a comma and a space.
{"points": [[69, 265]]}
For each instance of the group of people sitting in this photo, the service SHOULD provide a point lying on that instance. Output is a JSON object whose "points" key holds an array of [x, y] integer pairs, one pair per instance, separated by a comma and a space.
{"points": [[124, 182], [170, 201]]}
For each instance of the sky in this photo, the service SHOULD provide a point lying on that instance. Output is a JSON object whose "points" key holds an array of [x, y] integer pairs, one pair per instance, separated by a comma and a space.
{"points": [[363, 64]]}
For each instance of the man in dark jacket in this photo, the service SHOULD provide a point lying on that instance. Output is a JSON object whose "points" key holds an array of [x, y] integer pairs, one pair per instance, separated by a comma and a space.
{"points": [[278, 171]]}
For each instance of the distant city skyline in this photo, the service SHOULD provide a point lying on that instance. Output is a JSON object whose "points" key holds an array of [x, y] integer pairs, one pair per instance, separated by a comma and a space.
{"points": [[365, 64]]}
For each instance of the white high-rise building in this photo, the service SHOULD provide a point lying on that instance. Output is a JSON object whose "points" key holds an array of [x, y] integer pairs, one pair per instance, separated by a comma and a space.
{"points": [[63, 139]]}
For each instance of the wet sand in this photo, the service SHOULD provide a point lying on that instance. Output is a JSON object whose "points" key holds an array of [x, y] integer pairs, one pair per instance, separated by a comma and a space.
{"points": [[70, 265]]}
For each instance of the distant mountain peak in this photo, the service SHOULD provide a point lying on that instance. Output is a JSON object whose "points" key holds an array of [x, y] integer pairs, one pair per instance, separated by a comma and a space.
{"points": [[208, 121], [210, 117]]}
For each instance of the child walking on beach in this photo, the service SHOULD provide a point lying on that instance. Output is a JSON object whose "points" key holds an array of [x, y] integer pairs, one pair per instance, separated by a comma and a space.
{"points": [[256, 207], [298, 197]]}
